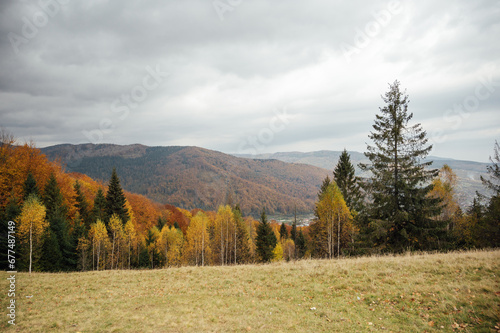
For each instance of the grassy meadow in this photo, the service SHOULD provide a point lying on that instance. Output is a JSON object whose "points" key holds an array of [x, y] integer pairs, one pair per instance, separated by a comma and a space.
{"points": [[456, 292]]}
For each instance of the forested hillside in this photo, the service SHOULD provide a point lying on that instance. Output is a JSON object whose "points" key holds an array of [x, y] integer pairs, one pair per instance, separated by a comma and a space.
{"points": [[63, 221], [192, 177]]}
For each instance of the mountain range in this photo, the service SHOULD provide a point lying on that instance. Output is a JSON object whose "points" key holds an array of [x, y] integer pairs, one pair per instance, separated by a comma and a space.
{"points": [[193, 177]]}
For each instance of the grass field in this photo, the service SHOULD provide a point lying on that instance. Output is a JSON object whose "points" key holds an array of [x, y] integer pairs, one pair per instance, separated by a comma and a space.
{"points": [[409, 293]]}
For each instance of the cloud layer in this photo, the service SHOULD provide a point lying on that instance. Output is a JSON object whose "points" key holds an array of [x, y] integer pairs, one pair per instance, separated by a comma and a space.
{"points": [[248, 76]]}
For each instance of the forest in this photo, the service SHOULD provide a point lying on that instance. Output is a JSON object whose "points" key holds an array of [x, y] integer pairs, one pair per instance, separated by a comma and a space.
{"points": [[69, 222]]}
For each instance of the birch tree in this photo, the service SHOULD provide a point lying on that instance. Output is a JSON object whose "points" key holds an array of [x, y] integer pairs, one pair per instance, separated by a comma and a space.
{"points": [[31, 226]]}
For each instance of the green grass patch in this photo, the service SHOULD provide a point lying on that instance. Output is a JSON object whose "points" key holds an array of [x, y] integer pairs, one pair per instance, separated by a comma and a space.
{"points": [[409, 293]]}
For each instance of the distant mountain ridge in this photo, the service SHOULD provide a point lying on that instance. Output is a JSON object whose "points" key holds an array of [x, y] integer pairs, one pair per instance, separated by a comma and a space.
{"points": [[192, 177], [468, 172]]}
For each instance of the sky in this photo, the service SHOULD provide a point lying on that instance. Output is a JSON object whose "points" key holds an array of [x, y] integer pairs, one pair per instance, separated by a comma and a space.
{"points": [[249, 76]]}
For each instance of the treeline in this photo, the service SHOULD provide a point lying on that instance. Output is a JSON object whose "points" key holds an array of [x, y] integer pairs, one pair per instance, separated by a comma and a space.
{"points": [[67, 222]]}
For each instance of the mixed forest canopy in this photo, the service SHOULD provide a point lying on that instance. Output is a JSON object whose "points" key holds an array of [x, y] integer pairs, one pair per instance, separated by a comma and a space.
{"points": [[68, 221]]}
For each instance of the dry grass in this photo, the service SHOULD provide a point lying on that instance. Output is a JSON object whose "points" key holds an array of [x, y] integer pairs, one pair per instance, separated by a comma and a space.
{"points": [[417, 293]]}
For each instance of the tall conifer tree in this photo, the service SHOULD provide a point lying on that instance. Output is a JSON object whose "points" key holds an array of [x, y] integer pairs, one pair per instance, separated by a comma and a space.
{"points": [[344, 176], [58, 239], [30, 186], [99, 210], [283, 232], [115, 199], [401, 209], [82, 205], [266, 239]]}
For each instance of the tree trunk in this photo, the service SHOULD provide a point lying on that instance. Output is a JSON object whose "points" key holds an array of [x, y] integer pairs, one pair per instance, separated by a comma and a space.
{"points": [[98, 255], [338, 240], [31, 244], [203, 246]]}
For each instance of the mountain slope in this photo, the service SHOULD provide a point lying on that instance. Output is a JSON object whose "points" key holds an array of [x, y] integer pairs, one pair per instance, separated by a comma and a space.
{"points": [[192, 177], [468, 172]]}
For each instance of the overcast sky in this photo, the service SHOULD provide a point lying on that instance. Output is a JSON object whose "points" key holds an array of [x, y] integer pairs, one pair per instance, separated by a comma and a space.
{"points": [[249, 76]]}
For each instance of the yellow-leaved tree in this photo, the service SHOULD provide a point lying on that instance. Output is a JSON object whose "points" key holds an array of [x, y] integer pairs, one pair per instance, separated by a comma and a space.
{"points": [[278, 252], [31, 225], [289, 249], [130, 238], [99, 236], [198, 244], [223, 235], [171, 243], [444, 189], [335, 217], [116, 233]]}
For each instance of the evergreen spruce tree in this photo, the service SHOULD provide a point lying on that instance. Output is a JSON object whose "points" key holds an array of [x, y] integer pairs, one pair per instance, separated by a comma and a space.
{"points": [[324, 186], [79, 231], [283, 232], [56, 216], [82, 206], [115, 199], [53, 198], [30, 186], [266, 239], [51, 260], [300, 244], [400, 208], [489, 226], [494, 171], [99, 210], [347, 182], [161, 223]]}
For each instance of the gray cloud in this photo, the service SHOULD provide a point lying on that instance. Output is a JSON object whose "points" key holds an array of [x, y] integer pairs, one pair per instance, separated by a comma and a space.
{"points": [[66, 79]]}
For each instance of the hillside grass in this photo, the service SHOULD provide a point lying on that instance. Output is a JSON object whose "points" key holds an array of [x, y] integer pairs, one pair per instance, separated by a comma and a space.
{"points": [[409, 293]]}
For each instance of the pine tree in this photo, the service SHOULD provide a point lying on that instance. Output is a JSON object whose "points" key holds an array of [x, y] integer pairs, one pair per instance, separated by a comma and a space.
{"points": [[161, 222], [344, 176], [115, 199], [82, 206], [78, 239], [266, 239], [56, 216], [99, 210], [283, 232], [30, 186], [51, 260], [494, 172], [400, 183], [53, 198], [489, 226], [324, 186], [300, 245]]}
